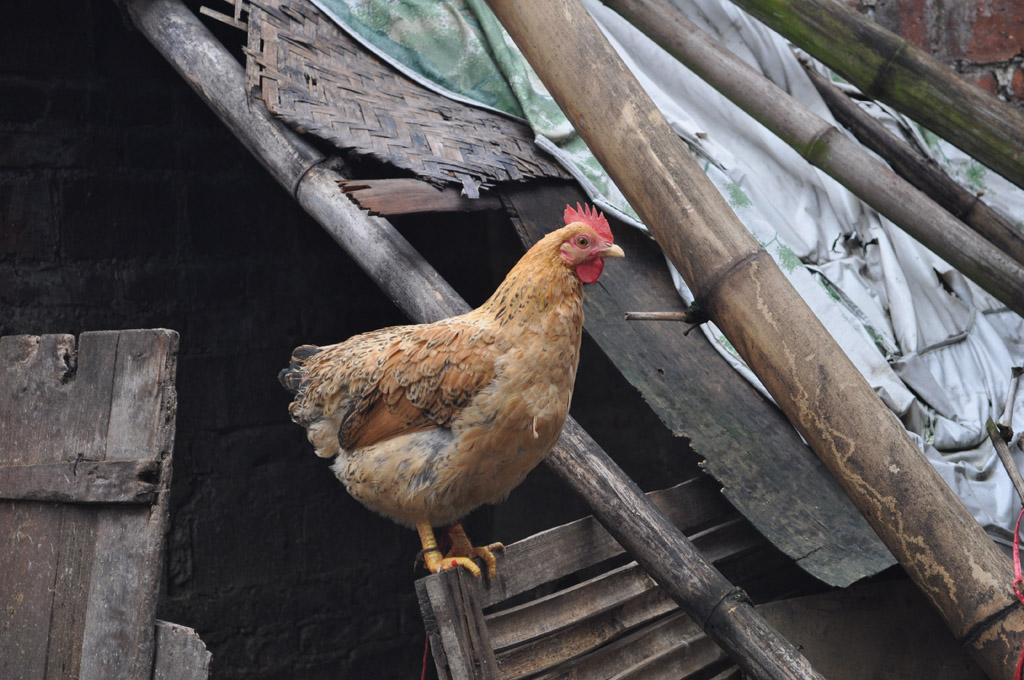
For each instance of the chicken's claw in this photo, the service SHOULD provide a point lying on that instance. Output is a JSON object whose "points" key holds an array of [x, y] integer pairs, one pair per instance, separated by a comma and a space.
{"points": [[436, 564], [457, 556], [461, 547]]}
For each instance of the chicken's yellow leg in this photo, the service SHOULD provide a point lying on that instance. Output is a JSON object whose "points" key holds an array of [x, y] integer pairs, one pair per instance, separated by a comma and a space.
{"points": [[461, 547], [432, 556]]}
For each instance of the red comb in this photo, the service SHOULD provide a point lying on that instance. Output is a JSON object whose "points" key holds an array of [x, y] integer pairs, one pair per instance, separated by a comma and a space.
{"points": [[589, 216]]}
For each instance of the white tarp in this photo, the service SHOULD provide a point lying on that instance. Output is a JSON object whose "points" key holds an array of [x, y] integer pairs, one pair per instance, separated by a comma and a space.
{"points": [[936, 348]]}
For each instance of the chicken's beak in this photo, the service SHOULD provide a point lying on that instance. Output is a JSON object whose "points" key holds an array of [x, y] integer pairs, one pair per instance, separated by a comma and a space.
{"points": [[612, 251]]}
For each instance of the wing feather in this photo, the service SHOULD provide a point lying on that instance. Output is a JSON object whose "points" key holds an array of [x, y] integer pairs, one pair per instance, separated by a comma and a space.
{"points": [[393, 381]]}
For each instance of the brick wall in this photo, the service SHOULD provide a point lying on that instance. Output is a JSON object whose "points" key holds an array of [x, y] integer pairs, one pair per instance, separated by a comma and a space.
{"points": [[981, 39], [124, 203]]}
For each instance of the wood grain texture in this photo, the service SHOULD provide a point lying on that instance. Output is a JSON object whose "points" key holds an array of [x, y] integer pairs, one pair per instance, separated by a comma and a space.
{"points": [[180, 654], [403, 196], [85, 578], [83, 481], [451, 607], [540, 558]]}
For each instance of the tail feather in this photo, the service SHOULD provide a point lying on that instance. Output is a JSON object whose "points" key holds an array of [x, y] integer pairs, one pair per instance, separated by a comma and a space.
{"points": [[291, 377]]}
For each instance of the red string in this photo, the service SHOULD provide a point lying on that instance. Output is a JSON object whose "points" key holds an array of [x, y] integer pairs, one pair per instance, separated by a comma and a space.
{"points": [[426, 646], [1018, 580]]}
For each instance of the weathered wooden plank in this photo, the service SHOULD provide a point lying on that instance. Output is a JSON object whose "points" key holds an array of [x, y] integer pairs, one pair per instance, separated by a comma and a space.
{"points": [[568, 624], [49, 565], [56, 403], [118, 639], [85, 481], [454, 603], [435, 641], [180, 654], [689, 656], [29, 534], [543, 616], [70, 589], [626, 652], [568, 548], [566, 608], [406, 196], [584, 635], [767, 471]]}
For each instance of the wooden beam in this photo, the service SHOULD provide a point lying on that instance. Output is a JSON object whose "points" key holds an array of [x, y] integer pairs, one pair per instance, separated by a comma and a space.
{"points": [[865, 447], [180, 654], [404, 196], [86, 481]]}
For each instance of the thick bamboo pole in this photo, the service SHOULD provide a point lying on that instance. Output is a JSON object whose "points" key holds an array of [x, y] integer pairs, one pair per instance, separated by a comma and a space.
{"points": [[920, 519], [668, 556], [825, 147], [887, 67]]}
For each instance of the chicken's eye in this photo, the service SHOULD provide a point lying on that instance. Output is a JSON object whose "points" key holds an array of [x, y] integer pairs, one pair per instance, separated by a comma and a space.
{"points": [[582, 241]]}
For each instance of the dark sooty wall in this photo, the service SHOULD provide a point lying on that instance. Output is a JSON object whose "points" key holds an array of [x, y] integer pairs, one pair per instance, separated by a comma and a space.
{"points": [[126, 204]]}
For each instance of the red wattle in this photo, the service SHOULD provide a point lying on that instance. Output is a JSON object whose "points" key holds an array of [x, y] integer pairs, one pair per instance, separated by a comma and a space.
{"points": [[590, 270]]}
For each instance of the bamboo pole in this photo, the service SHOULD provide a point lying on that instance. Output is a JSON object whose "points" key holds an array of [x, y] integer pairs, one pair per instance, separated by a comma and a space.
{"points": [[939, 544], [824, 146], [888, 68], [920, 171], [669, 557]]}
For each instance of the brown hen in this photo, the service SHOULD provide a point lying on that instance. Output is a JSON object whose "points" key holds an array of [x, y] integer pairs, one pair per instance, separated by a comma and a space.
{"points": [[431, 421]]}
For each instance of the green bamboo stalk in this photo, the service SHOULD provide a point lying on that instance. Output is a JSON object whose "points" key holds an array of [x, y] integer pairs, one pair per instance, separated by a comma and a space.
{"points": [[890, 69]]}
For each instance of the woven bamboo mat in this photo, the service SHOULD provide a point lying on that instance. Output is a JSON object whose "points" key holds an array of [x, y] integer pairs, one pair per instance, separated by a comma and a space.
{"points": [[320, 81]]}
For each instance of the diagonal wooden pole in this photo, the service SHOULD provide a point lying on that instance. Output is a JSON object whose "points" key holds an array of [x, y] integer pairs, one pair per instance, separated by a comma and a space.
{"points": [[923, 523], [650, 537]]}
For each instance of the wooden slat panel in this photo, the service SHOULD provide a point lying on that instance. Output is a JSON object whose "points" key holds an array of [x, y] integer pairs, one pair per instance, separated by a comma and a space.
{"points": [[407, 196], [627, 653], [121, 610], [558, 610], [687, 657], [584, 636], [84, 481], [84, 578], [453, 614], [567, 608], [41, 421], [568, 548]]}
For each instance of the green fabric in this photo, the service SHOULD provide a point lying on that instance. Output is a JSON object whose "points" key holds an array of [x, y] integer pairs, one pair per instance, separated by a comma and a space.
{"points": [[461, 46]]}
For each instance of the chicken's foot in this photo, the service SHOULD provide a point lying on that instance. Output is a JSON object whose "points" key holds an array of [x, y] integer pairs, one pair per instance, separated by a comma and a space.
{"points": [[432, 556], [461, 547]]}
